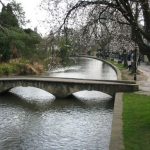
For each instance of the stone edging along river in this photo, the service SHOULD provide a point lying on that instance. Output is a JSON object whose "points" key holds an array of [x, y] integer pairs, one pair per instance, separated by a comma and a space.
{"points": [[64, 124], [116, 141]]}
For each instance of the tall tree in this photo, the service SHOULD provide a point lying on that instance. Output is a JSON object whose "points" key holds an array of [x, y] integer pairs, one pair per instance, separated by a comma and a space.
{"points": [[7, 17], [14, 40], [134, 13], [19, 13]]}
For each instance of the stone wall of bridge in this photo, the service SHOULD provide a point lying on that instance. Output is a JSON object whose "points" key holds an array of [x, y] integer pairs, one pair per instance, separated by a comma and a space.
{"points": [[61, 87]]}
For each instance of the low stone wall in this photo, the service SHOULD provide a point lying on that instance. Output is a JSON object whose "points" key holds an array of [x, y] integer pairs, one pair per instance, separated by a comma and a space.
{"points": [[116, 141], [61, 87], [114, 67]]}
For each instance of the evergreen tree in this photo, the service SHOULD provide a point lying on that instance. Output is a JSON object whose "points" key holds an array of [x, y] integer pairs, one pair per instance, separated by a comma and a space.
{"points": [[14, 40], [7, 17]]}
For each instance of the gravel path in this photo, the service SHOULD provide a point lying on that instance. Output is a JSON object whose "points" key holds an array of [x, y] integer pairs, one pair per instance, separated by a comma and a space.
{"points": [[144, 84]]}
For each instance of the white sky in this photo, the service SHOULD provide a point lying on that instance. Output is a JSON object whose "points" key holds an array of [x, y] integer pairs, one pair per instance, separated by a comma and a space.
{"points": [[41, 19], [34, 14]]}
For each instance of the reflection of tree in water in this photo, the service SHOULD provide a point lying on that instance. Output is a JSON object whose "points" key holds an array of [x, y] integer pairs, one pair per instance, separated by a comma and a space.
{"points": [[104, 67], [72, 102]]}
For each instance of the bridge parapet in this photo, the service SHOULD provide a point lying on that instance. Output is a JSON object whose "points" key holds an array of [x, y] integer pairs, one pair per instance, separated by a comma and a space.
{"points": [[62, 87]]}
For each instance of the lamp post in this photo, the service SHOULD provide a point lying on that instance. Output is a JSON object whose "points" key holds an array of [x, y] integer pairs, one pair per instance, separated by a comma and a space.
{"points": [[135, 63]]}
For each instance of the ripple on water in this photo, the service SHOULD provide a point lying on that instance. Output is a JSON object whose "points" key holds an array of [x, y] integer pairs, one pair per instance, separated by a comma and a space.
{"points": [[66, 69], [87, 96], [33, 95]]}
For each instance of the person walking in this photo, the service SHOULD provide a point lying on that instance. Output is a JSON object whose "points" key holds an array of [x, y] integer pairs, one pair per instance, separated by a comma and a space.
{"points": [[129, 60]]}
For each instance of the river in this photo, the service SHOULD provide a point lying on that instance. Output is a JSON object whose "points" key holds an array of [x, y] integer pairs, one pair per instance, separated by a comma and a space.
{"points": [[82, 122]]}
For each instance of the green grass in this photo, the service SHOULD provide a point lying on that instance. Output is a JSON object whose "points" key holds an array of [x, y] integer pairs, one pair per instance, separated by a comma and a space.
{"points": [[10, 68], [136, 122], [118, 65], [136, 119]]}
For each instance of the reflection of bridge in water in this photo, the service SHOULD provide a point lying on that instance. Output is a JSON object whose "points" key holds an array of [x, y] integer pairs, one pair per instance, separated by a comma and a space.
{"points": [[62, 87]]}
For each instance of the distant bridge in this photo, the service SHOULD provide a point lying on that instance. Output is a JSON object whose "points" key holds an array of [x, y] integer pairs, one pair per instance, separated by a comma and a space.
{"points": [[62, 87]]}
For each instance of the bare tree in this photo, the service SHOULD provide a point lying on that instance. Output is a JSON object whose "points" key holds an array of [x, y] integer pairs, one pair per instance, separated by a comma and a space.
{"points": [[134, 13]]}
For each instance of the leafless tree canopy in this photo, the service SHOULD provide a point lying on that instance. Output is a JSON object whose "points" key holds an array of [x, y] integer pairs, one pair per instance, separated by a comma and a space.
{"points": [[135, 13], [104, 13]]}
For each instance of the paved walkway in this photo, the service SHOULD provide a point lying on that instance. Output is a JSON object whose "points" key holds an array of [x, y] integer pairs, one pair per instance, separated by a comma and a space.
{"points": [[144, 85]]}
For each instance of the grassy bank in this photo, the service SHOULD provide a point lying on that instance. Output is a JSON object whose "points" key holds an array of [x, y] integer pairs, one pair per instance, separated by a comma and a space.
{"points": [[118, 65], [136, 115], [20, 67], [10, 68], [136, 122], [125, 73]]}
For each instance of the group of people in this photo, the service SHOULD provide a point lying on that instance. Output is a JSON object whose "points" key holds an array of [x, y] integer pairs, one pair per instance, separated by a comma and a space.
{"points": [[130, 59]]}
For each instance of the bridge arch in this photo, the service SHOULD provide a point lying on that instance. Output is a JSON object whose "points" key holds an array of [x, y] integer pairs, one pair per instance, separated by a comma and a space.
{"points": [[61, 87]]}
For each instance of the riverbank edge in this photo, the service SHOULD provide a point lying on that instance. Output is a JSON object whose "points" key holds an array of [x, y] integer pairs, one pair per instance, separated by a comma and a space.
{"points": [[114, 67], [116, 139], [20, 67]]}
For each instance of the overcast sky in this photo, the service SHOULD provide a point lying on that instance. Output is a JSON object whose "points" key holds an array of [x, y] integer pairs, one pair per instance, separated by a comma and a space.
{"points": [[34, 14], [44, 21]]}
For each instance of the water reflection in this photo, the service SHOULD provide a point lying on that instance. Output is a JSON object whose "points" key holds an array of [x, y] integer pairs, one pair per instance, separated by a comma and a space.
{"points": [[67, 124], [33, 95], [85, 68], [62, 124], [91, 95]]}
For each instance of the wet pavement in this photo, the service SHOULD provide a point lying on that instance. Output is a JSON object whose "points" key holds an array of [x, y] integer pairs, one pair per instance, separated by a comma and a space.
{"points": [[144, 85]]}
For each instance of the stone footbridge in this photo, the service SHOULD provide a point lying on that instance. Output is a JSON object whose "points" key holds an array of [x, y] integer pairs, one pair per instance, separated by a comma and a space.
{"points": [[62, 87]]}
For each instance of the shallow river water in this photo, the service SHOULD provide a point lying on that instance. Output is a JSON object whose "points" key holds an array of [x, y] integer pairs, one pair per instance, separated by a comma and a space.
{"points": [[31, 121]]}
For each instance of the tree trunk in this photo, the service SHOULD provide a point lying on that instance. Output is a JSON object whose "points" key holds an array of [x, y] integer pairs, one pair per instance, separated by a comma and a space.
{"points": [[144, 47], [148, 56]]}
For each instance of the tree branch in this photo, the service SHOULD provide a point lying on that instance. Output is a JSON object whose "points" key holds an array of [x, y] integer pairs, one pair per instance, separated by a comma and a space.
{"points": [[82, 4], [146, 14], [2, 3]]}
